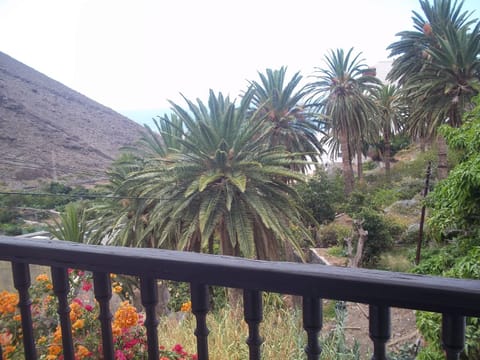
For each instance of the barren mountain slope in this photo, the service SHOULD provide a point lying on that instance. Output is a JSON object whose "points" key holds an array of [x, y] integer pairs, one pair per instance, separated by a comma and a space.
{"points": [[48, 130]]}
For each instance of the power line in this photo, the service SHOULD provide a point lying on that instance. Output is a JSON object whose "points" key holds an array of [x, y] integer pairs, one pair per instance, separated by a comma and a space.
{"points": [[84, 196]]}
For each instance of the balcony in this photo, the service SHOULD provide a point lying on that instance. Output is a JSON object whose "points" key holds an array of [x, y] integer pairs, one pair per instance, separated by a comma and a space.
{"points": [[453, 298]]}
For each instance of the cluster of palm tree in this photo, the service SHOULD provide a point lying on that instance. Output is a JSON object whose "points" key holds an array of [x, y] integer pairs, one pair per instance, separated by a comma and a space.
{"points": [[219, 176], [438, 66]]}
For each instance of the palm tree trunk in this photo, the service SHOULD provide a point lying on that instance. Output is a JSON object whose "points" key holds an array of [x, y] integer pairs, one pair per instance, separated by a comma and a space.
{"points": [[442, 171], [359, 162], [346, 164], [387, 153], [234, 295]]}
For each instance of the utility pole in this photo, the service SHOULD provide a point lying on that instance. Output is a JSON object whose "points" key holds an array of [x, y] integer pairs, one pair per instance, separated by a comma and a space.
{"points": [[422, 217], [54, 167]]}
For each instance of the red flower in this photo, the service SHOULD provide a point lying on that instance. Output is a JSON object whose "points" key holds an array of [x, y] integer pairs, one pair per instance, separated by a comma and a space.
{"points": [[89, 308], [119, 355], [131, 343], [178, 349], [86, 285], [78, 301]]}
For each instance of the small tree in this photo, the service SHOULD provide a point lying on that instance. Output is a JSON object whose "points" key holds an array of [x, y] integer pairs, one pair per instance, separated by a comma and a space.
{"points": [[72, 224]]}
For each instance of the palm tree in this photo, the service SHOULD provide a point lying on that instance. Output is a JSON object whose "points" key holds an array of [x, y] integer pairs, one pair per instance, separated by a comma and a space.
{"points": [[124, 219], [279, 103], [72, 225], [222, 182], [341, 92], [391, 111], [410, 51], [439, 66]]}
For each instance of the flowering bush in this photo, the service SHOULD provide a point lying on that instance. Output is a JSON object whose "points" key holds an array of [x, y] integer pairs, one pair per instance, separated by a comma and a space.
{"points": [[129, 334]]}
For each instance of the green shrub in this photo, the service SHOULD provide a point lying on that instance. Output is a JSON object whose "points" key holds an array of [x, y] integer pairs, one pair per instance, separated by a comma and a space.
{"points": [[384, 197], [321, 195], [369, 165], [409, 187], [379, 235], [7, 216], [11, 229], [394, 261], [333, 234], [459, 259]]}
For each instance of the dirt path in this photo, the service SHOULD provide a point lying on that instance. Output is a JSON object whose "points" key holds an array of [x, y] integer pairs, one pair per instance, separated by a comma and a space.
{"points": [[403, 328]]}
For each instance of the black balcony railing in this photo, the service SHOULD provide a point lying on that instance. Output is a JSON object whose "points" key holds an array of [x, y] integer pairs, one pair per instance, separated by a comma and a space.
{"points": [[453, 298]]}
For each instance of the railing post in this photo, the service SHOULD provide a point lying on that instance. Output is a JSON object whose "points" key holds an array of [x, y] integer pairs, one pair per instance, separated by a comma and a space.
{"points": [[199, 295], [103, 293], [453, 335], [149, 293], [312, 323], [60, 288], [21, 281], [379, 325], [253, 314]]}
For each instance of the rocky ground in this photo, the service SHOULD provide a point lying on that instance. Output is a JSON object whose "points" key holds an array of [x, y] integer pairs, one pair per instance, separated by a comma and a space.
{"points": [[403, 328]]}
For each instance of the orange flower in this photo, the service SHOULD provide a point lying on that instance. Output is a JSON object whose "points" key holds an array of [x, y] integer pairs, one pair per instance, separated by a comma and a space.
{"points": [[42, 278], [17, 317], [116, 330], [82, 352], [186, 307], [57, 335], [117, 289], [78, 324], [7, 350], [75, 311], [54, 350], [126, 316], [8, 302]]}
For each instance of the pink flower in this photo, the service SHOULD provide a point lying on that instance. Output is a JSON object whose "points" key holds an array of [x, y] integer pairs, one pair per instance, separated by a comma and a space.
{"points": [[78, 301], [119, 355], [86, 285], [89, 308], [178, 348], [131, 343]]}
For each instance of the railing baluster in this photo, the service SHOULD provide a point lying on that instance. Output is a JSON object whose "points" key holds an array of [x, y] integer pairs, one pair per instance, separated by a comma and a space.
{"points": [[199, 295], [149, 293], [312, 323], [379, 324], [253, 314], [61, 287], [103, 294], [453, 335], [21, 281]]}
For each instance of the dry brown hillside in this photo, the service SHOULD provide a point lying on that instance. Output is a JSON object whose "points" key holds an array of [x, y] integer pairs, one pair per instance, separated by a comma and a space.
{"points": [[48, 130]]}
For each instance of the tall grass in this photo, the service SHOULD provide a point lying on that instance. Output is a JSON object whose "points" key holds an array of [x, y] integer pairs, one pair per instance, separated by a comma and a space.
{"points": [[281, 329]]}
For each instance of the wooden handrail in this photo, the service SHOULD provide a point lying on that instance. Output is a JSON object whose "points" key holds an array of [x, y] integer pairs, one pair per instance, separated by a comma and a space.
{"points": [[431, 293], [453, 298]]}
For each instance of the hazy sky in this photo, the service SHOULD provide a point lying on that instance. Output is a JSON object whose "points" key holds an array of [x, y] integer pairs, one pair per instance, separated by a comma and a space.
{"points": [[132, 55]]}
